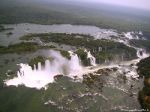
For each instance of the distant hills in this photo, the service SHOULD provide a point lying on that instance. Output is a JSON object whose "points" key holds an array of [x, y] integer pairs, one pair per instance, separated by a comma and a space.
{"points": [[63, 12]]}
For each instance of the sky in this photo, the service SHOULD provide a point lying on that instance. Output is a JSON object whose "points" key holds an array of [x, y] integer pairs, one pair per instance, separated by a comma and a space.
{"points": [[141, 4]]}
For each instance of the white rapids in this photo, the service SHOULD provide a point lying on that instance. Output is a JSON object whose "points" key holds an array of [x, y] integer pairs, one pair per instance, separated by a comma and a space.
{"points": [[43, 75]]}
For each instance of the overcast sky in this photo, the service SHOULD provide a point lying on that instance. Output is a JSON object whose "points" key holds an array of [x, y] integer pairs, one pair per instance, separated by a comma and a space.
{"points": [[143, 4]]}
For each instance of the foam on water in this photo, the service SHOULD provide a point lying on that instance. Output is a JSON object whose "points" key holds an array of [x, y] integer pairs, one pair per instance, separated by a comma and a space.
{"points": [[40, 77], [31, 78], [43, 75]]}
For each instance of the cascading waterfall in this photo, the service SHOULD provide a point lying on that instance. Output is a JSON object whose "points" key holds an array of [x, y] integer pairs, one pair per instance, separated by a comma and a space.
{"points": [[141, 53], [42, 75], [74, 62], [91, 57], [39, 66]]}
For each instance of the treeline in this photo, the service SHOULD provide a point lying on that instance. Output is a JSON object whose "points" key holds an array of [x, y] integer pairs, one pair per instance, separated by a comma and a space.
{"points": [[70, 14], [103, 50], [22, 48]]}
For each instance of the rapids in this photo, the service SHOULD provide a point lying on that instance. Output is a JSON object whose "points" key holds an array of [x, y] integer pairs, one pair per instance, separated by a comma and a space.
{"points": [[43, 75]]}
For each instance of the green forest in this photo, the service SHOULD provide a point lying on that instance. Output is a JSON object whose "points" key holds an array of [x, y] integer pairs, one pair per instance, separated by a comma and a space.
{"points": [[64, 13]]}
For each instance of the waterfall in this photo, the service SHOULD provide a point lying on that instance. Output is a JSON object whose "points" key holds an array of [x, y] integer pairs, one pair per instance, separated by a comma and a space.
{"points": [[141, 53], [42, 75], [39, 66], [92, 58], [74, 62]]}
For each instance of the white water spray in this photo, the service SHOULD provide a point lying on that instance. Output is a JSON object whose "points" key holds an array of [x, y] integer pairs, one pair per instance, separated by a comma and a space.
{"points": [[91, 57], [75, 62], [43, 75]]}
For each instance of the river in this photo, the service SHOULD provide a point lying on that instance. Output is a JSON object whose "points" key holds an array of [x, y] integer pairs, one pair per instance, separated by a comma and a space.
{"points": [[117, 93]]}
